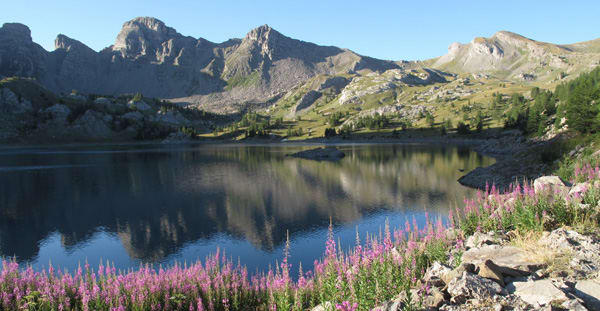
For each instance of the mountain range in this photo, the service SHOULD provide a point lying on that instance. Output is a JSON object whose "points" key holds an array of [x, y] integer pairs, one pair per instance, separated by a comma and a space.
{"points": [[262, 68]]}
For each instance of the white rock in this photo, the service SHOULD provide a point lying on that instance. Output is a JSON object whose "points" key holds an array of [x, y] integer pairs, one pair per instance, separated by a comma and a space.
{"points": [[537, 293], [589, 291]]}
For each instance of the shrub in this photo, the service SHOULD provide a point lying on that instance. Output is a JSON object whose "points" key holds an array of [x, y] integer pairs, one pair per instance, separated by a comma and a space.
{"points": [[462, 128]]}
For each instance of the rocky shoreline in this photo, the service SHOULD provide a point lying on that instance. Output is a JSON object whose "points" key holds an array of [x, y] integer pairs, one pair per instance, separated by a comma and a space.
{"points": [[497, 273]]}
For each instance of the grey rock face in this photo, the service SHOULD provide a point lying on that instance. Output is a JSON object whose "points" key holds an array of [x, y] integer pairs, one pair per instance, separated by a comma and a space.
{"points": [[19, 56]]}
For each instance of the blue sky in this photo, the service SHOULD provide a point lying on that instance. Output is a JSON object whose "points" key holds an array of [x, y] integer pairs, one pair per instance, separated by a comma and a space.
{"points": [[383, 29]]}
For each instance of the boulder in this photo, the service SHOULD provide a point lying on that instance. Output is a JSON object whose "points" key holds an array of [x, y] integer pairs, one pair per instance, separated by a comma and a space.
{"points": [[433, 299], [433, 275], [510, 259], [537, 293], [448, 276], [589, 292], [468, 286], [549, 183], [490, 270]]}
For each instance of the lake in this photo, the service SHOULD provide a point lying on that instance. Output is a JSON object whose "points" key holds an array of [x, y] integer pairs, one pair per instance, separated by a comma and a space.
{"points": [[137, 204]]}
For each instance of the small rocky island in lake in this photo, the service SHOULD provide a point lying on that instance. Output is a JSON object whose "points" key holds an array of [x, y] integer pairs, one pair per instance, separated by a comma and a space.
{"points": [[320, 154]]}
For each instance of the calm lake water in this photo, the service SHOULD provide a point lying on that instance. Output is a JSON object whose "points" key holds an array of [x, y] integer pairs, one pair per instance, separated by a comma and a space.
{"points": [[164, 204]]}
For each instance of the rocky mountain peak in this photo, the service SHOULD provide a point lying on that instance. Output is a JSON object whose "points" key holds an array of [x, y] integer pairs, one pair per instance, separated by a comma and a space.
{"points": [[64, 42], [262, 33], [16, 31], [143, 35]]}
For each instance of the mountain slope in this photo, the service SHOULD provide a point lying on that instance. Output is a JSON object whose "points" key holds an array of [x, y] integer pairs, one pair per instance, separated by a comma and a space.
{"points": [[507, 55], [154, 59]]}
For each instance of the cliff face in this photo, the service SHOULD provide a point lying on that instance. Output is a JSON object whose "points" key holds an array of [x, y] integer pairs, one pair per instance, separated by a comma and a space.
{"points": [[154, 59]]}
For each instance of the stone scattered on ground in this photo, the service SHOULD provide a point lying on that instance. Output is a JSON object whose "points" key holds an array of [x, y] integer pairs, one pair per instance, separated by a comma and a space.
{"points": [[320, 154], [472, 286], [495, 275], [583, 250]]}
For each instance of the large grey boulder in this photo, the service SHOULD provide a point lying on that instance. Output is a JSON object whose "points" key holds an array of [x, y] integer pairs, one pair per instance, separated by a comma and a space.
{"points": [[511, 257], [549, 183], [589, 291], [468, 286], [537, 293]]}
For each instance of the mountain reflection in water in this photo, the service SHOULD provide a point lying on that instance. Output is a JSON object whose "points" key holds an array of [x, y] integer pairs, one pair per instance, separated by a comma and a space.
{"points": [[164, 203]]}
